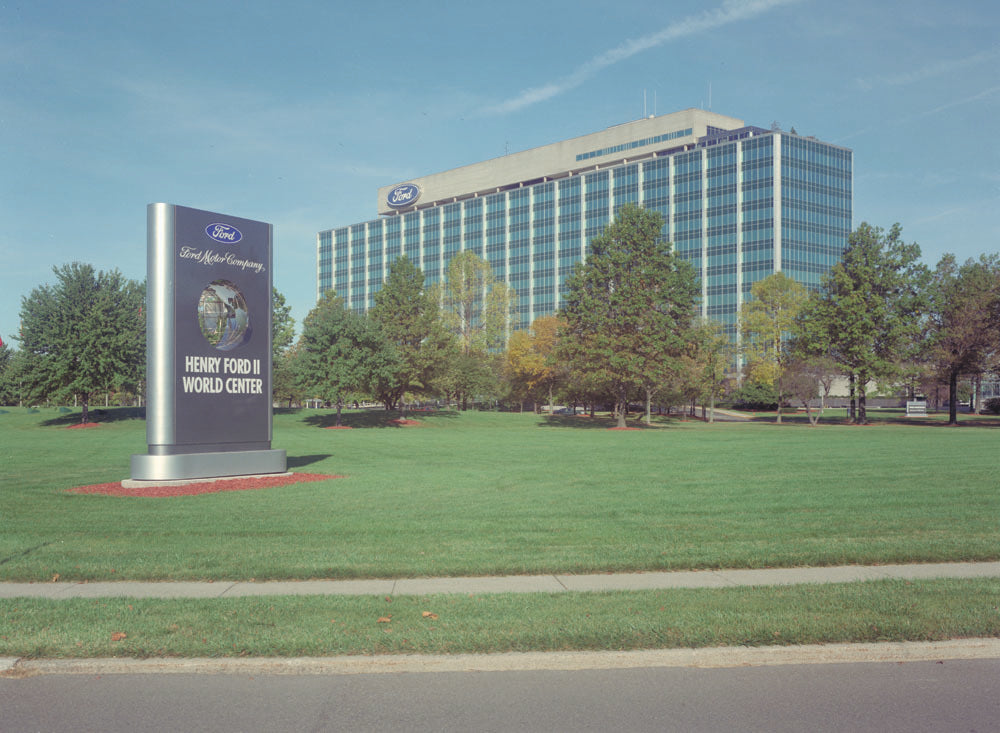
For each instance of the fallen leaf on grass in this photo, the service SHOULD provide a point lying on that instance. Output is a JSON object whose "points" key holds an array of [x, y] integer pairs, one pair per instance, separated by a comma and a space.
{"points": [[384, 619], [118, 636], [432, 616], [55, 577]]}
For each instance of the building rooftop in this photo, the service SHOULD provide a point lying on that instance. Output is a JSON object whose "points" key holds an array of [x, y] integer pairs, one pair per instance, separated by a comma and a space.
{"points": [[644, 138]]}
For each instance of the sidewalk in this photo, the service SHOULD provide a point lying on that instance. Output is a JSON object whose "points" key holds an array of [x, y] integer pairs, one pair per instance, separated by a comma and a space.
{"points": [[968, 649], [505, 584]]}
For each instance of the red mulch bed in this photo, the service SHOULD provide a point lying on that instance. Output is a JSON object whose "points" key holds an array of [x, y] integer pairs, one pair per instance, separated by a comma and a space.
{"points": [[203, 487], [405, 422], [83, 425], [338, 427]]}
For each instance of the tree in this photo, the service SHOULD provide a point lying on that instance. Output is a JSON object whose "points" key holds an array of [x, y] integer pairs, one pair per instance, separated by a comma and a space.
{"points": [[468, 374], [629, 308], [283, 381], [867, 316], [803, 378], [342, 352], [531, 367], [712, 353], [766, 321], [408, 316], [286, 378], [282, 324], [519, 367], [477, 310], [963, 320], [86, 334], [8, 389], [476, 306]]}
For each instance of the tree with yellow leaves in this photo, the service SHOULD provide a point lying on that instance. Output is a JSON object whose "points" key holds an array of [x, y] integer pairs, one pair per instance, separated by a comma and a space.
{"points": [[766, 322]]}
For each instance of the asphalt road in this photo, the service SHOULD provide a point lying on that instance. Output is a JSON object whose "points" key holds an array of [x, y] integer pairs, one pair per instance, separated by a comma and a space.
{"points": [[899, 696]]}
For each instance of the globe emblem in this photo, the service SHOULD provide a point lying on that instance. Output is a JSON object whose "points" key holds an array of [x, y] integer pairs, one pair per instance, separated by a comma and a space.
{"points": [[223, 315]]}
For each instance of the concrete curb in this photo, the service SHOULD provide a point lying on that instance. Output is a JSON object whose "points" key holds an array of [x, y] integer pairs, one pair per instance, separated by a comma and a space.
{"points": [[708, 658]]}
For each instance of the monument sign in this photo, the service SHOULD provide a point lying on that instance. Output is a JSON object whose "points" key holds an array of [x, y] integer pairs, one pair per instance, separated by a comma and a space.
{"points": [[208, 353]]}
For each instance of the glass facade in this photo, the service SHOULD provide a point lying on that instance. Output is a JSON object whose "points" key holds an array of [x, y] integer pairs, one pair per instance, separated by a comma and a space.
{"points": [[739, 205]]}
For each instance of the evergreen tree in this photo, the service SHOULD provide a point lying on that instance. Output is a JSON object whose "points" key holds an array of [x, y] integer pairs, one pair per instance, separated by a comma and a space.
{"points": [[867, 317], [8, 390], [409, 318], [629, 309]]}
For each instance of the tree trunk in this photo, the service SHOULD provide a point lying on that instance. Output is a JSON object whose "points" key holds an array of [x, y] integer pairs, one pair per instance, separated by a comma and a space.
{"points": [[621, 407], [778, 419], [86, 409], [340, 404], [711, 407], [852, 413], [862, 418], [952, 397], [649, 403]]}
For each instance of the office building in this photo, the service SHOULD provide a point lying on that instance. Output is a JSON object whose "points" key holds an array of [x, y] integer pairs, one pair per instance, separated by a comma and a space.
{"points": [[739, 202]]}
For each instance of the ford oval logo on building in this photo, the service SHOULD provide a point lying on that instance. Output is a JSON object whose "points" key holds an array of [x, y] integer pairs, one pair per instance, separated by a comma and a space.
{"points": [[224, 233], [403, 195]]}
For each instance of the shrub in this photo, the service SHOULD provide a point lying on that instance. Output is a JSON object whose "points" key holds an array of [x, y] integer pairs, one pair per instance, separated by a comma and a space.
{"points": [[992, 406], [754, 396]]}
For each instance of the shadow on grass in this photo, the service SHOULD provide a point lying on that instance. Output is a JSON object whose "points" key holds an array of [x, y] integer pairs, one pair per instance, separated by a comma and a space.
{"points": [[96, 414], [374, 418], [584, 421], [300, 461]]}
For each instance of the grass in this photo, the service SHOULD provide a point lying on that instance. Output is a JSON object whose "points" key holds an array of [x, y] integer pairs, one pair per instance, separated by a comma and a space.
{"points": [[500, 493], [326, 626], [489, 493]]}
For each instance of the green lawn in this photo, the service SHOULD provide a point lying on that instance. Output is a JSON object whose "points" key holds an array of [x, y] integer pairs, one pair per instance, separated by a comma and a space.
{"points": [[484, 493], [451, 624], [500, 493]]}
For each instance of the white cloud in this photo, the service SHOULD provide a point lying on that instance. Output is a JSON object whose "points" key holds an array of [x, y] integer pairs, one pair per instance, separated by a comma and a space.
{"points": [[965, 100], [731, 11], [943, 67]]}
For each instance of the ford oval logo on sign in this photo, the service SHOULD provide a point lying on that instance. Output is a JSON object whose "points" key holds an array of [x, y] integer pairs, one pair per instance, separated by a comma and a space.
{"points": [[224, 233], [403, 195]]}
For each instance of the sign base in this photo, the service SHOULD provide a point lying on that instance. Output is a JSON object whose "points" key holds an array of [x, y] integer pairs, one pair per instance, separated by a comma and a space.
{"points": [[207, 465]]}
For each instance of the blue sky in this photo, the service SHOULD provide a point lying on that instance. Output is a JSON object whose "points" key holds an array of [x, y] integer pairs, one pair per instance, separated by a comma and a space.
{"points": [[296, 112]]}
